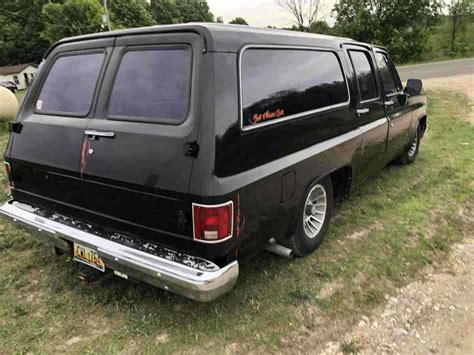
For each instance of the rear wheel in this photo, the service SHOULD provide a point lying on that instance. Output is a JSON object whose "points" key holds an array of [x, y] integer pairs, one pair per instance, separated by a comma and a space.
{"points": [[313, 217], [410, 155]]}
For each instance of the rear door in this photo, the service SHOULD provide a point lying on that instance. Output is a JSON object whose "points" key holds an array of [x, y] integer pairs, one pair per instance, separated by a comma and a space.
{"points": [[369, 109], [135, 153], [59, 107], [146, 115], [396, 105]]}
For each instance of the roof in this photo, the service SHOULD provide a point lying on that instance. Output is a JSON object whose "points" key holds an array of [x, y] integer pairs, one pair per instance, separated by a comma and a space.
{"points": [[225, 38], [14, 69]]}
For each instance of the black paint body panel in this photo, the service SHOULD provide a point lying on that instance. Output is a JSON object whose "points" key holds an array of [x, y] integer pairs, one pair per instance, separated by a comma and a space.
{"points": [[141, 182]]}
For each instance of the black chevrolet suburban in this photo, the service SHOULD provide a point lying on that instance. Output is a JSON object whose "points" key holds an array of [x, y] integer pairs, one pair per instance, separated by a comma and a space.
{"points": [[167, 154]]}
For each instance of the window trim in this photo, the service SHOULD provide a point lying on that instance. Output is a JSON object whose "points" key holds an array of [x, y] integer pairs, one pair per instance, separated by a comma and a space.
{"points": [[296, 115], [374, 68], [155, 120], [45, 75]]}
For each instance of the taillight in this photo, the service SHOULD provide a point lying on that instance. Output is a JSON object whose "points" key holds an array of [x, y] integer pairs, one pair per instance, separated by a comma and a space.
{"points": [[8, 170], [213, 223]]}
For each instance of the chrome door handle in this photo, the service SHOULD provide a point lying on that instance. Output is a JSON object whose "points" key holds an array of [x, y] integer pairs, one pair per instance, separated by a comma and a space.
{"points": [[93, 134], [389, 103], [362, 111]]}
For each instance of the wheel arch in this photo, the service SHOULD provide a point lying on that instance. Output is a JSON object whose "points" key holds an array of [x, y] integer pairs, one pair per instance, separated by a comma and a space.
{"points": [[423, 124], [341, 179]]}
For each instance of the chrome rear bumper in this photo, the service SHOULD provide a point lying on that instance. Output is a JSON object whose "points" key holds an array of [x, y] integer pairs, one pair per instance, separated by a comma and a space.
{"points": [[185, 275]]}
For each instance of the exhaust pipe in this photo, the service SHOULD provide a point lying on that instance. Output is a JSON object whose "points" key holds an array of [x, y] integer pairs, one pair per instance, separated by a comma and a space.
{"points": [[278, 249]]}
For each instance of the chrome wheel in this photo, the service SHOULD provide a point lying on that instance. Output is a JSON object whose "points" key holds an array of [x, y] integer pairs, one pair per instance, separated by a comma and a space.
{"points": [[315, 211], [413, 146]]}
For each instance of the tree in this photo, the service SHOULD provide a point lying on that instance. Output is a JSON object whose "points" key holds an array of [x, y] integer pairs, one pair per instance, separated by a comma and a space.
{"points": [[305, 12], [21, 23], [164, 12], [219, 19], [460, 12], [194, 11], [130, 13], [72, 18], [239, 21], [402, 26], [321, 27], [179, 11]]}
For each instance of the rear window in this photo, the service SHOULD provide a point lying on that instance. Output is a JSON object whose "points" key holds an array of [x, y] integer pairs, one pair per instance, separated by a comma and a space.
{"points": [[280, 83], [70, 84], [152, 85]]}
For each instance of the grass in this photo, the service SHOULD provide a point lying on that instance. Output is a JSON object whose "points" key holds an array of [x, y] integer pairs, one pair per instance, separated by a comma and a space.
{"points": [[400, 221], [20, 95]]}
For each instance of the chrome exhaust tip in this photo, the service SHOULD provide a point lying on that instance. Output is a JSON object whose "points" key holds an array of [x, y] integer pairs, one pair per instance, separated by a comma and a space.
{"points": [[278, 249]]}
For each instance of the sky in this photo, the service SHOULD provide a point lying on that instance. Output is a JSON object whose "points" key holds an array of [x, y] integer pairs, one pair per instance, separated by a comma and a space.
{"points": [[260, 13]]}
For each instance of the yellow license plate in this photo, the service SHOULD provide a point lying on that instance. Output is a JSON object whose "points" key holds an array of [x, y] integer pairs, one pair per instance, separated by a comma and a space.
{"points": [[88, 256]]}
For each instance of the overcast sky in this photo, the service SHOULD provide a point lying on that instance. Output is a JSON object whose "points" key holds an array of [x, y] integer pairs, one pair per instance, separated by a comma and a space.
{"points": [[260, 13]]}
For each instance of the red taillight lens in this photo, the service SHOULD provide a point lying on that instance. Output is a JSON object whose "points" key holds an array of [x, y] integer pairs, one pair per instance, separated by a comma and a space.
{"points": [[213, 223]]}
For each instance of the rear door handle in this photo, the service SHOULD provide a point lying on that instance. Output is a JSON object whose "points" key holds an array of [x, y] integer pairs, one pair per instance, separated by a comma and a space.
{"points": [[362, 111], [389, 103], [95, 134]]}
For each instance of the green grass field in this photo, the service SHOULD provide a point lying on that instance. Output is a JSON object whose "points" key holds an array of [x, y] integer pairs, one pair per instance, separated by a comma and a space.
{"points": [[20, 95], [400, 221]]}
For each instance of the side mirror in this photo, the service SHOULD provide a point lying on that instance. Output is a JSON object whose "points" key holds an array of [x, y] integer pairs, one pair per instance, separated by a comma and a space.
{"points": [[414, 87]]}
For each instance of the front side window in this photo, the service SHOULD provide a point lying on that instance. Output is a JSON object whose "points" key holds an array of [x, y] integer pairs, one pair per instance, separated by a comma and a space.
{"points": [[70, 84], [364, 71], [278, 83], [388, 77], [152, 86]]}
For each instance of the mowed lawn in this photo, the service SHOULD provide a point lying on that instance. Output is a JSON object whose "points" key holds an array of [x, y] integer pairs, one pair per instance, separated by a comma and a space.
{"points": [[401, 220], [20, 95]]}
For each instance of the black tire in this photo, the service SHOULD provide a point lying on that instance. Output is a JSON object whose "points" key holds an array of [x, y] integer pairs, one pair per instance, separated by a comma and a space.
{"points": [[301, 242], [411, 153]]}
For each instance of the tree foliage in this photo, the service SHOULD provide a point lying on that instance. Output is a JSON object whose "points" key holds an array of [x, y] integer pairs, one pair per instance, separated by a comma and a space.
{"points": [[321, 27], [239, 21], [21, 22], [72, 18], [460, 16], [180, 11], [130, 13], [402, 26]]}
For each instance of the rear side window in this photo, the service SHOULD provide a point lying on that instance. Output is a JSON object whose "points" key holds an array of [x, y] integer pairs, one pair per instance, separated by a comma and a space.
{"points": [[70, 84], [152, 86], [279, 83], [386, 73], [364, 70]]}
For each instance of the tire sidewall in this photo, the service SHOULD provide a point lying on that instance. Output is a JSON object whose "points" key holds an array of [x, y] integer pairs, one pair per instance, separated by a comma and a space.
{"points": [[405, 158], [411, 158], [302, 244]]}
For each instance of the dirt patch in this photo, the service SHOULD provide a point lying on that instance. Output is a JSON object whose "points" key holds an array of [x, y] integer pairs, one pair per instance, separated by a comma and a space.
{"points": [[464, 83], [95, 329], [331, 288], [365, 232], [433, 315]]}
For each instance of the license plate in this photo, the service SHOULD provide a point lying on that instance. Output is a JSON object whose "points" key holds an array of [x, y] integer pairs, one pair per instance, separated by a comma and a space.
{"points": [[88, 256]]}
